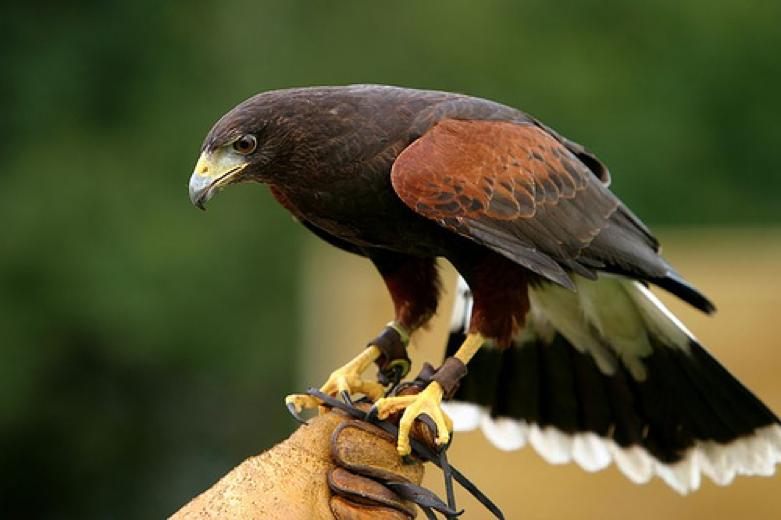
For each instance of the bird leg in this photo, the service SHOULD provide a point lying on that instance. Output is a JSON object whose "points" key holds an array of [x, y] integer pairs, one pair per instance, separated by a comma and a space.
{"points": [[343, 381], [393, 363], [388, 350], [443, 383]]}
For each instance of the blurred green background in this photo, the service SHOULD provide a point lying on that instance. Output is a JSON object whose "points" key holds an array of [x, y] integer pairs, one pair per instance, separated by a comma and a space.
{"points": [[145, 346]]}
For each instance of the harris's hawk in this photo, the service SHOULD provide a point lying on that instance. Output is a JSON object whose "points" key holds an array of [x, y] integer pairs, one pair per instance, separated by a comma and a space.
{"points": [[580, 359]]}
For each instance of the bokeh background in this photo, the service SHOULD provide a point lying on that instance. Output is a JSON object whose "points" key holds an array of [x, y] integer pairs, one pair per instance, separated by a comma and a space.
{"points": [[145, 347]]}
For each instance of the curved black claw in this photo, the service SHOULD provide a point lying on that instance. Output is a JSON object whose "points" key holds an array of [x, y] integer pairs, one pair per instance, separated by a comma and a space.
{"points": [[346, 397], [392, 377], [371, 415], [422, 497], [432, 427], [292, 409]]}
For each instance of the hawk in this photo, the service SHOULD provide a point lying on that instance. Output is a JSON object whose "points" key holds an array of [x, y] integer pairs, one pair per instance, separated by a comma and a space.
{"points": [[566, 346]]}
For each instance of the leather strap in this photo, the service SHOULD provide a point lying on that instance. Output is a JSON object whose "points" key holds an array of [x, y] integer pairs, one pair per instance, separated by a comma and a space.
{"points": [[393, 363], [448, 375]]}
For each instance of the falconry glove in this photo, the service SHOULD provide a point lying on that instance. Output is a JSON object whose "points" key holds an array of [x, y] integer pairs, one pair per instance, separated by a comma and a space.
{"points": [[332, 468], [365, 458]]}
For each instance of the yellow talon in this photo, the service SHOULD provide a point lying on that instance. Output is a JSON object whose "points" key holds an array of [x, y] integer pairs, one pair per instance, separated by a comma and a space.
{"points": [[428, 402], [345, 379]]}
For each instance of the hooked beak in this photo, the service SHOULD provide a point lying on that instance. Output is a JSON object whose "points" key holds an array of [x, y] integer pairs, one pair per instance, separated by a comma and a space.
{"points": [[214, 171]]}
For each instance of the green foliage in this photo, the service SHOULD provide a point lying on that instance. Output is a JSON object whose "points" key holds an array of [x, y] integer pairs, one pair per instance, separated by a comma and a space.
{"points": [[146, 346]]}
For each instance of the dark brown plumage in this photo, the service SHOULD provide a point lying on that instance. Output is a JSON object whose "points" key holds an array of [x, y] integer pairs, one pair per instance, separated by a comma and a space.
{"points": [[405, 176], [327, 154]]}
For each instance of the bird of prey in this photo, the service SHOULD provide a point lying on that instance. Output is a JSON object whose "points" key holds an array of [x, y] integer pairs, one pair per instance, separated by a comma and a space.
{"points": [[566, 346]]}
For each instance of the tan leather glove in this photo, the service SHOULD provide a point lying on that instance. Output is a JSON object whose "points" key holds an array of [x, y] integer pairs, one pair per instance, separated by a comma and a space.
{"points": [[291, 480]]}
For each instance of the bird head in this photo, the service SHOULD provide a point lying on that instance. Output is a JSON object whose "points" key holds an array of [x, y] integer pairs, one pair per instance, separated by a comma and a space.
{"points": [[220, 166], [240, 147], [280, 137]]}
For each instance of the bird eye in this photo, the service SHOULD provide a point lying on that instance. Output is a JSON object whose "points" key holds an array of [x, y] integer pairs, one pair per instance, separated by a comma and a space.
{"points": [[245, 144]]}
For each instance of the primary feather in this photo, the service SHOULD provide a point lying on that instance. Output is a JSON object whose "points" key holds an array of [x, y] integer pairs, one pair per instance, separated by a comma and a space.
{"points": [[609, 374]]}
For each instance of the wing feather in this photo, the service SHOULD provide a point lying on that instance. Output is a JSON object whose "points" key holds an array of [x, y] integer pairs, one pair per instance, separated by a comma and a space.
{"points": [[532, 196], [512, 187]]}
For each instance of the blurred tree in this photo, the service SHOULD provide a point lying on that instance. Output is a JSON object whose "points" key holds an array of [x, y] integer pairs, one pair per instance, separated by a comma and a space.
{"points": [[141, 340]]}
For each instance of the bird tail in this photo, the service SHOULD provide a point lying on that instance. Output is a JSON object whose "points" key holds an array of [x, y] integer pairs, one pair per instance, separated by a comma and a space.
{"points": [[608, 374]]}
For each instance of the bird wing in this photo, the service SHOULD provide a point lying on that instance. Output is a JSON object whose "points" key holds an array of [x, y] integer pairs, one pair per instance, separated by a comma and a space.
{"points": [[609, 374], [518, 190]]}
